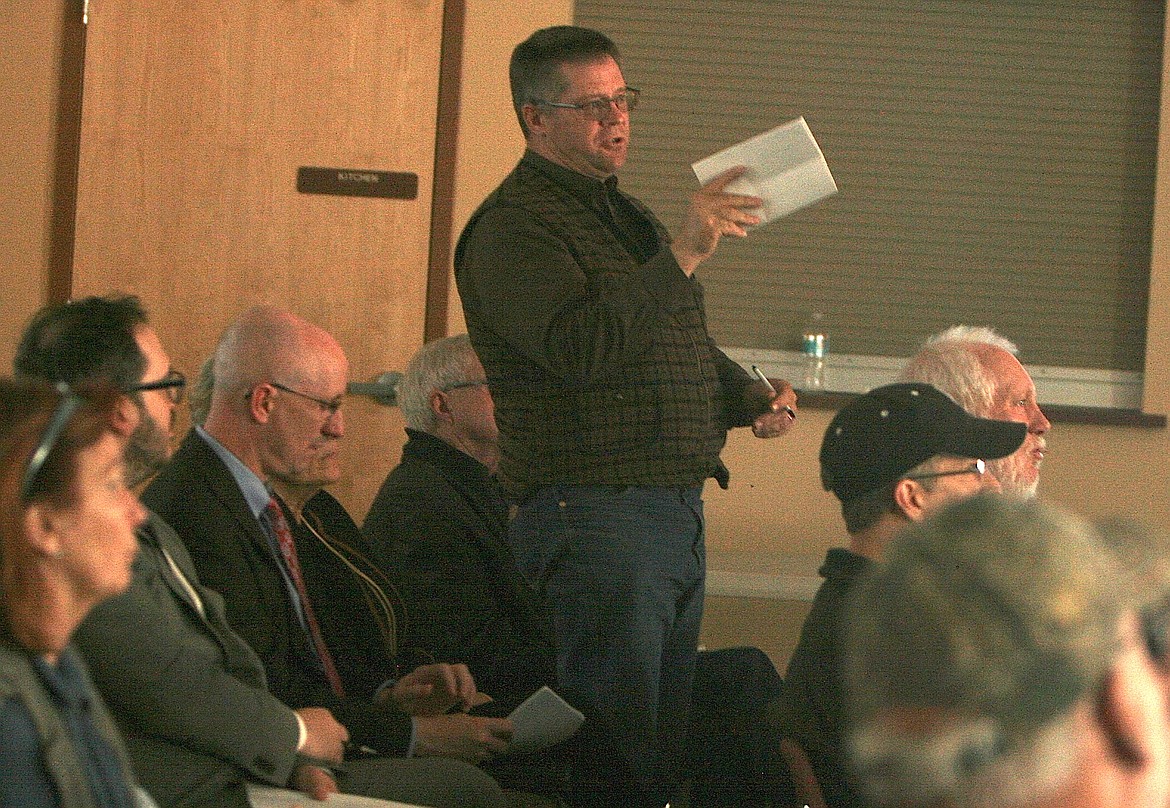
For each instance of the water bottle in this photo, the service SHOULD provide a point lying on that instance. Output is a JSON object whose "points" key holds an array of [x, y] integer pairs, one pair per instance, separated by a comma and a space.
{"points": [[814, 344]]}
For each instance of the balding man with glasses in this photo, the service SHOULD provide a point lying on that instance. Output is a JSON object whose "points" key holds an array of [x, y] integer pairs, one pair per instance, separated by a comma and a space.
{"points": [[613, 402]]}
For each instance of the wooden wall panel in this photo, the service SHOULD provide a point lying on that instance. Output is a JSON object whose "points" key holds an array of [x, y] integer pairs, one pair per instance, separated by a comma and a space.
{"points": [[196, 118]]}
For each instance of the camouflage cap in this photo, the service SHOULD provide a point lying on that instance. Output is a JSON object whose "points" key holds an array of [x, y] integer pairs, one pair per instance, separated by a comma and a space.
{"points": [[989, 620], [1144, 555]]}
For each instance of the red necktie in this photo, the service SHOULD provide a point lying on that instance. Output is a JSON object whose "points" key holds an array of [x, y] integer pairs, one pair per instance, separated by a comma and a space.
{"points": [[289, 550]]}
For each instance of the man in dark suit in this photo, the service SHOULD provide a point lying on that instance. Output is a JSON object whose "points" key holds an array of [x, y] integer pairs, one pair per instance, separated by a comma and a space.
{"points": [[439, 526], [187, 691], [273, 427]]}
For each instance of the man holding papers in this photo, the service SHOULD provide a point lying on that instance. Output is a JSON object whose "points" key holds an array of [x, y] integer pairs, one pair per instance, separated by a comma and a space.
{"points": [[612, 402]]}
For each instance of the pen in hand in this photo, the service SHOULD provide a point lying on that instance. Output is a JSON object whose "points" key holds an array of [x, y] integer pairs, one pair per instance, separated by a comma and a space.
{"points": [[760, 375]]}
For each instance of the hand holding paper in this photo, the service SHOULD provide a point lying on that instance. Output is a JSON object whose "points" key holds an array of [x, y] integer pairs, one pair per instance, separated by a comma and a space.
{"points": [[543, 719], [785, 167], [714, 212]]}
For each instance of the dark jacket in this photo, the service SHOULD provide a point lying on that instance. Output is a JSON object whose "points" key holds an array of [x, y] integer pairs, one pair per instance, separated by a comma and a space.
{"points": [[197, 495], [438, 529], [594, 341], [814, 679]]}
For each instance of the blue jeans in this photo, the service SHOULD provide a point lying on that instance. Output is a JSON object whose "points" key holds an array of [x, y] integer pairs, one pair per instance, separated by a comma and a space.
{"points": [[622, 569]]}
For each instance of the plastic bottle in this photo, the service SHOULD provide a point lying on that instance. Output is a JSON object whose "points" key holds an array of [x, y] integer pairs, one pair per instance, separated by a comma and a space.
{"points": [[814, 343]]}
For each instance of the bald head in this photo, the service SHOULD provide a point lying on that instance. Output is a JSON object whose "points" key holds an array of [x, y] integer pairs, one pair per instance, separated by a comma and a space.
{"points": [[267, 343], [275, 403]]}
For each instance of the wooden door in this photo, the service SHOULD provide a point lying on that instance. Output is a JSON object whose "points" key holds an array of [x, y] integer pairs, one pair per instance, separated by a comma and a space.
{"points": [[196, 117]]}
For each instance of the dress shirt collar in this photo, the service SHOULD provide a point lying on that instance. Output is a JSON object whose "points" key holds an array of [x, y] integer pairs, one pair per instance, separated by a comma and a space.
{"points": [[256, 494]]}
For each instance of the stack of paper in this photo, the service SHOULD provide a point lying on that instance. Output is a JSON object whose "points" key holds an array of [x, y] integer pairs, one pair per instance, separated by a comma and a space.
{"points": [[785, 167], [541, 720]]}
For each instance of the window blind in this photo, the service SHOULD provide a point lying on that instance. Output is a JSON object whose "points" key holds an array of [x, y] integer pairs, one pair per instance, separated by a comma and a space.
{"points": [[995, 162]]}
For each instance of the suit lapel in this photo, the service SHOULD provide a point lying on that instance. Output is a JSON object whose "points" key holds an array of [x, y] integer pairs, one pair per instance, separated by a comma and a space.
{"points": [[152, 533], [223, 487]]}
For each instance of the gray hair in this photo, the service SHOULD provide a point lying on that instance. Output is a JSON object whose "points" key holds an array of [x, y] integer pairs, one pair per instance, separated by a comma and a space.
{"points": [[438, 365], [950, 361], [969, 654]]}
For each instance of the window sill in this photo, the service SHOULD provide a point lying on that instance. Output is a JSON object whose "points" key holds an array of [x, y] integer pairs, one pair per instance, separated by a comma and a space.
{"points": [[1056, 413], [1067, 395]]}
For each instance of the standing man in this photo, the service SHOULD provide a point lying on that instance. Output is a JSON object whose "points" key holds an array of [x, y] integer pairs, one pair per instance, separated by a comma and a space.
{"points": [[978, 368], [612, 401]]}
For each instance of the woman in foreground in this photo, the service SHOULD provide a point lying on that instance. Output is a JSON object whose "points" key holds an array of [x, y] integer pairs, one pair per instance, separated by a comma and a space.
{"points": [[67, 542]]}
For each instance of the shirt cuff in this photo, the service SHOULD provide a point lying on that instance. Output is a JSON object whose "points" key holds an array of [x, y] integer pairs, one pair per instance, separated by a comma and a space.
{"points": [[410, 746], [302, 731]]}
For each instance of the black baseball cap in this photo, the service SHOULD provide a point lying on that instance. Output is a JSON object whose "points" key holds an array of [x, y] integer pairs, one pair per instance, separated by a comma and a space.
{"points": [[878, 437]]}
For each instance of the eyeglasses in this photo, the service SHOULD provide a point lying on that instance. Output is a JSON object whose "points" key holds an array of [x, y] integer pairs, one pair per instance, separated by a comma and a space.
{"points": [[461, 385], [174, 383], [598, 108], [68, 405], [332, 405], [978, 467]]}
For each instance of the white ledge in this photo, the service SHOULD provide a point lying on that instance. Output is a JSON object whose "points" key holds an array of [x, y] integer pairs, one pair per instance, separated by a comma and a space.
{"points": [[748, 575], [858, 373]]}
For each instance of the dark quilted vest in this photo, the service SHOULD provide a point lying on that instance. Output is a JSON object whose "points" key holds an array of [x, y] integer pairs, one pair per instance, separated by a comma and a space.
{"points": [[658, 419]]}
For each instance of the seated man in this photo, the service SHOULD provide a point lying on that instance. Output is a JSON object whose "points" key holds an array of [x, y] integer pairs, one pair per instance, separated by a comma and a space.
{"points": [[188, 693], [891, 456], [978, 368], [438, 529], [996, 660], [439, 525], [273, 428]]}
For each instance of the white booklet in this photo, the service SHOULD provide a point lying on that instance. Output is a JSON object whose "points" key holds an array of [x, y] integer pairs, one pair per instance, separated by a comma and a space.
{"points": [[269, 797], [785, 167], [541, 720]]}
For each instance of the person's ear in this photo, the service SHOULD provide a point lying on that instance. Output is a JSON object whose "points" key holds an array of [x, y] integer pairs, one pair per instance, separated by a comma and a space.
{"points": [[440, 406], [1131, 706], [261, 400], [910, 497], [534, 119], [126, 416], [42, 525]]}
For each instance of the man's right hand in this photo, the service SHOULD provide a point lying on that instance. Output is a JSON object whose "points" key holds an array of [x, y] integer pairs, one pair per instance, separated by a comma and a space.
{"points": [[325, 737], [713, 213], [464, 737], [314, 781]]}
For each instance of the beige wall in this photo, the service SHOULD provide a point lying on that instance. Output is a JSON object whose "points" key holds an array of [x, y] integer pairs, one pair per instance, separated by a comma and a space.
{"points": [[29, 74]]}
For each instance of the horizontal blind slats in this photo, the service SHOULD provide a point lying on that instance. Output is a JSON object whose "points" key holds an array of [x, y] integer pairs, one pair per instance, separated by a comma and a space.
{"points": [[995, 163]]}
